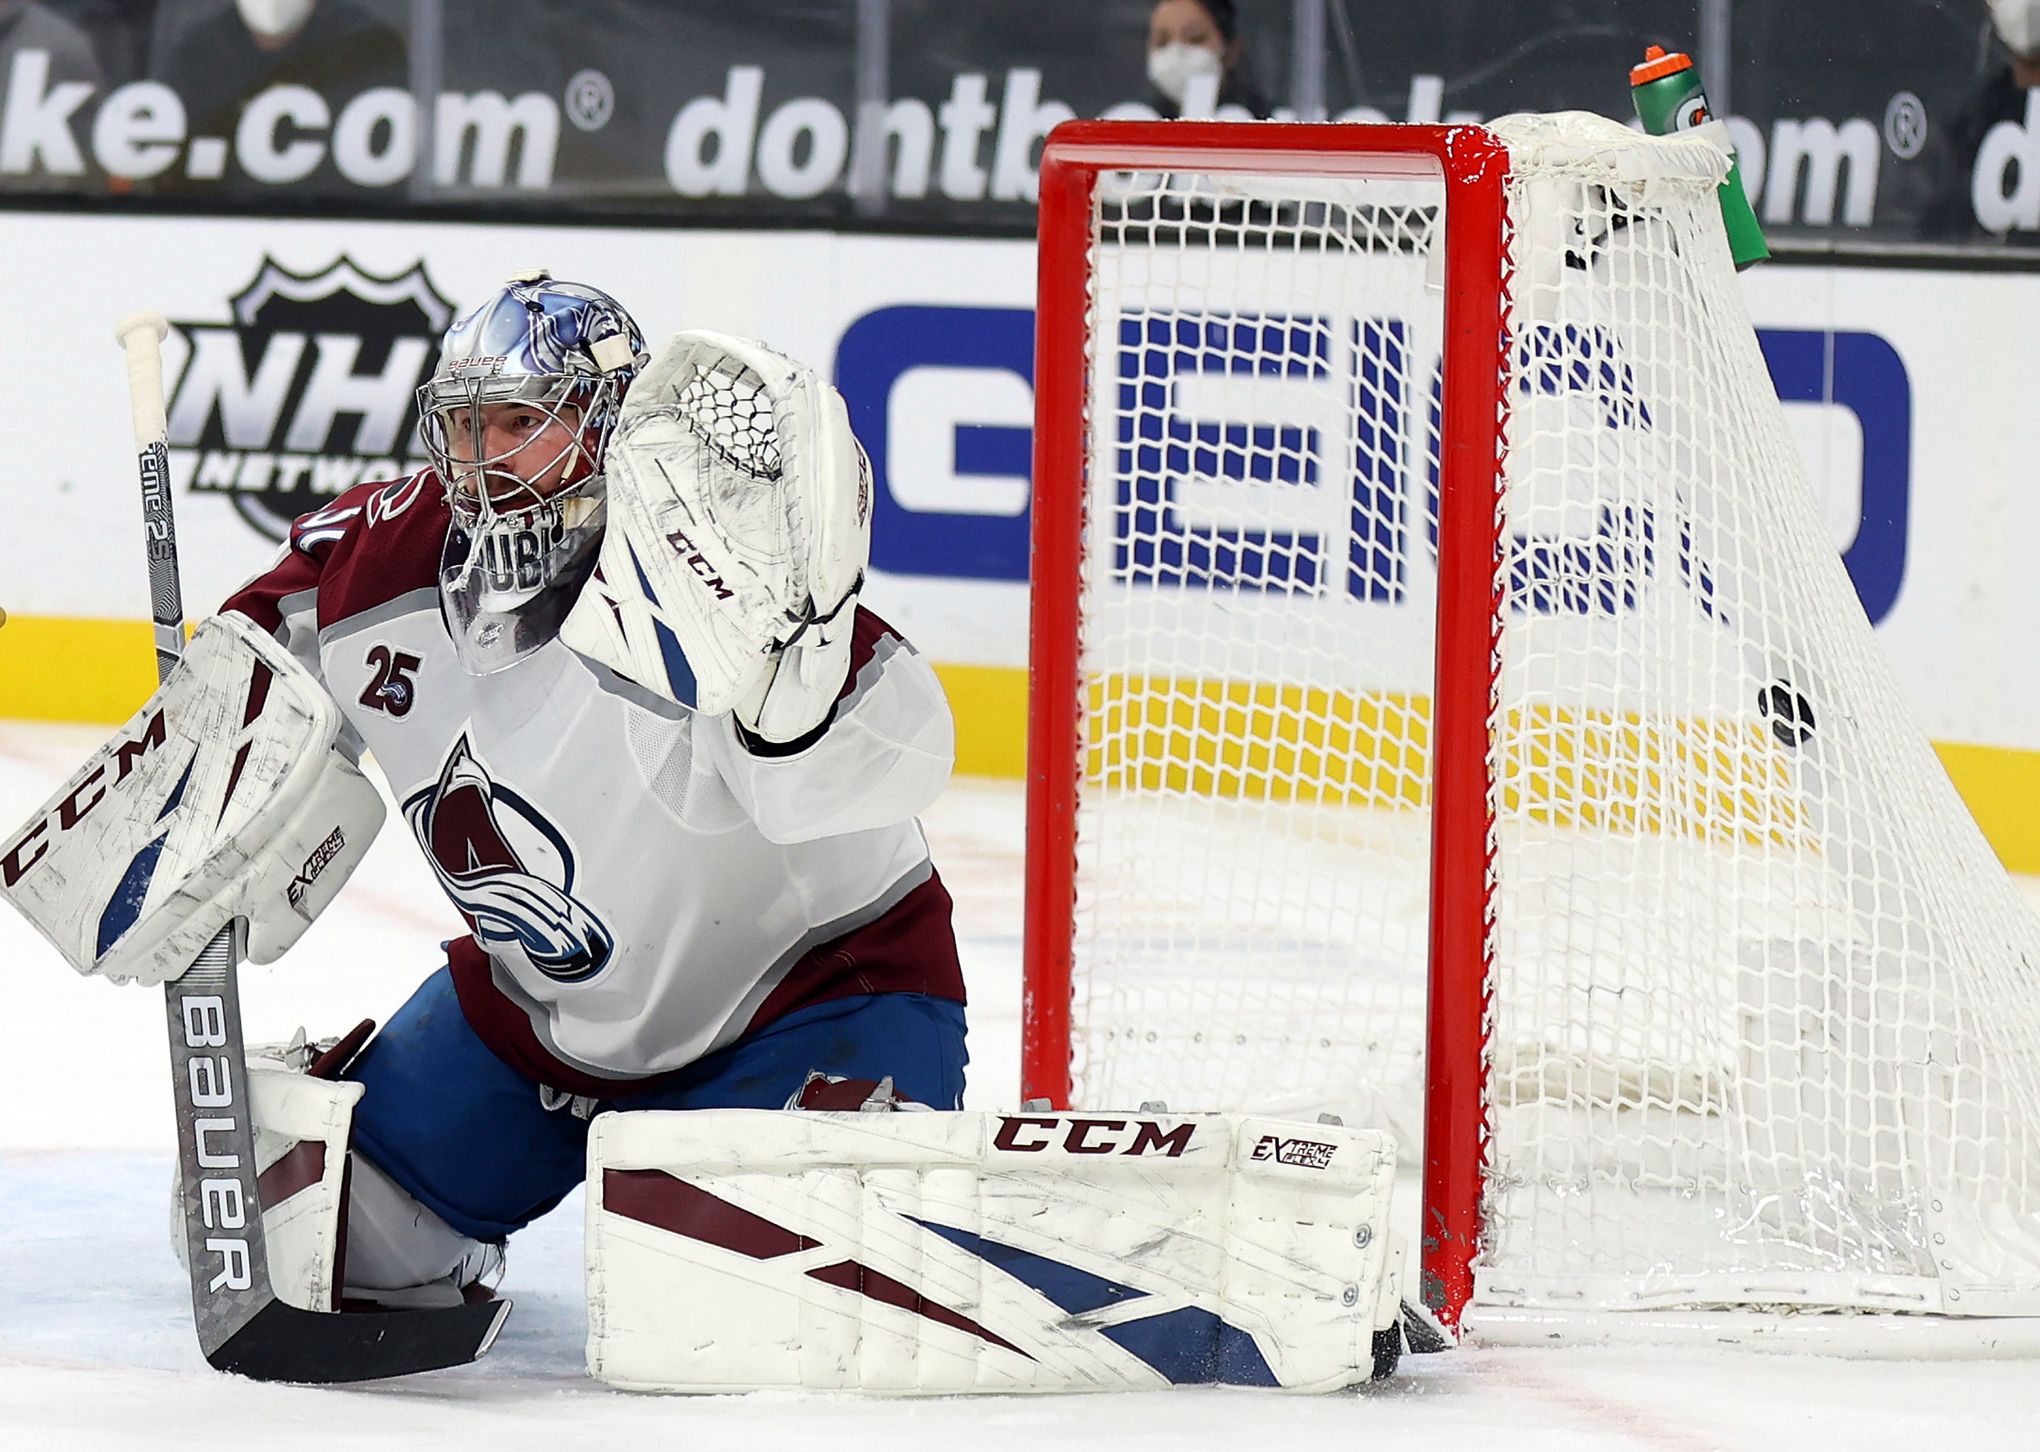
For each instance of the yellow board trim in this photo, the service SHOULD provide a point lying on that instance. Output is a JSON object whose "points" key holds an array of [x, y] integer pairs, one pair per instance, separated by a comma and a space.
{"points": [[1258, 741], [990, 704], [2001, 785], [56, 669], [63, 669], [1719, 780]]}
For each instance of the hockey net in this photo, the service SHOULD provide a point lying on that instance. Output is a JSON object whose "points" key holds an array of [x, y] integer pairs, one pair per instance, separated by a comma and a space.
{"points": [[1429, 605]]}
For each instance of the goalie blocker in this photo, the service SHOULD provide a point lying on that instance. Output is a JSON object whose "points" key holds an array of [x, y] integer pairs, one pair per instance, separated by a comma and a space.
{"points": [[224, 799], [740, 1249]]}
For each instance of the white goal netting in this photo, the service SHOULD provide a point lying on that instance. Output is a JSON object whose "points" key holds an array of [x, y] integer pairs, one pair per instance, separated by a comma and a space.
{"points": [[1765, 1023]]}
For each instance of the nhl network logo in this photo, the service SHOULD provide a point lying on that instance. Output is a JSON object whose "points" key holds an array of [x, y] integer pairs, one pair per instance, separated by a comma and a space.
{"points": [[310, 388]]}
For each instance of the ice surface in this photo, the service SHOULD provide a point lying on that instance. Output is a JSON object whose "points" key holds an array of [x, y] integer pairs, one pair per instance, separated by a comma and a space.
{"points": [[96, 1349]]}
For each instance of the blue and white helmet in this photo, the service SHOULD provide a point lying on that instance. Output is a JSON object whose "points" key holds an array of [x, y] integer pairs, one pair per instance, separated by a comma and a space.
{"points": [[566, 353]]}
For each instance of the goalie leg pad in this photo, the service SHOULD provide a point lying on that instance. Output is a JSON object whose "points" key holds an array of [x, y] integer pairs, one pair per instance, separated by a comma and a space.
{"points": [[301, 1132], [336, 1228], [735, 1250]]}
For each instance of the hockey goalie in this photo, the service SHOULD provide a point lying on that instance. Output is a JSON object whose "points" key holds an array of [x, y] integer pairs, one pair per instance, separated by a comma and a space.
{"points": [[609, 655]]}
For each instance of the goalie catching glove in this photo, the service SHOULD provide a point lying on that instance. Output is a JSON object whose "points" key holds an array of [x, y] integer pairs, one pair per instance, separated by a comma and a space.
{"points": [[739, 528], [223, 799]]}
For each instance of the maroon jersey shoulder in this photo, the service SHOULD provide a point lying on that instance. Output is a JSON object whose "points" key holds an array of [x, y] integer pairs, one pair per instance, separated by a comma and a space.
{"points": [[868, 634], [372, 544]]}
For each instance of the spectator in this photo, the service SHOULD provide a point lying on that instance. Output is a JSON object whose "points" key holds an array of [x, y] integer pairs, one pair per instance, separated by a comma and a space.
{"points": [[2011, 72], [28, 31], [26, 25], [1198, 40], [2017, 23], [219, 57]]}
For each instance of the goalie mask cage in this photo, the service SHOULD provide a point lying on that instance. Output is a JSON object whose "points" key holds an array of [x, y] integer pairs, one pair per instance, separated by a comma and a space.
{"points": [[1429, 611]]}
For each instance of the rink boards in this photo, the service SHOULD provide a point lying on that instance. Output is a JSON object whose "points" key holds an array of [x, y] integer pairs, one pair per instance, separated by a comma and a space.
{"points": [[297, 344]]}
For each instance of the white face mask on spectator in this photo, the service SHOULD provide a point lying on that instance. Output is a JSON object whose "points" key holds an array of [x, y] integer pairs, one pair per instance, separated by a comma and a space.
{"points": [[274, 17], [2017, 23], [1173, 67]]}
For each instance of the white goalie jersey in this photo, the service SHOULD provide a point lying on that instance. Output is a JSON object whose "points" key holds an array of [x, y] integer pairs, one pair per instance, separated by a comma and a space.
{"points": [[641, 884]]}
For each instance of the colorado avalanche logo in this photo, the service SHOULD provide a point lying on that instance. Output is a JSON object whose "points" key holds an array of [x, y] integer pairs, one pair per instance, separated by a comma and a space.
{"points": [[508, 870]]}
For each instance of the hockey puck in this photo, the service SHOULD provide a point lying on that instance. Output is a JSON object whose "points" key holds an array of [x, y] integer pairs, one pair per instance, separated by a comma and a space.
{"points": [[1788, 711]]}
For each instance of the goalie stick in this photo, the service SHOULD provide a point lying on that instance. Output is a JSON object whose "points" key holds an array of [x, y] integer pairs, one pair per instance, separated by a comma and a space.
{"points": [[242, 1326]]}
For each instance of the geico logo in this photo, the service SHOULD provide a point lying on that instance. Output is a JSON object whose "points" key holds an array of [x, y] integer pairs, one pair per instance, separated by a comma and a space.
{"points": [[1078, 1136], [943, 399], [77, 804]]}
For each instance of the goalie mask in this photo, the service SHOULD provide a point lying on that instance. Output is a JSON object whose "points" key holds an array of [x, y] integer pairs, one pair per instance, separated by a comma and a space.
{"points": [[516, 418]]}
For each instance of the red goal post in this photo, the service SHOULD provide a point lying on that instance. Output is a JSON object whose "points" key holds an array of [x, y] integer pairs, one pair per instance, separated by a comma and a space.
{"points": [[1471, 165]]}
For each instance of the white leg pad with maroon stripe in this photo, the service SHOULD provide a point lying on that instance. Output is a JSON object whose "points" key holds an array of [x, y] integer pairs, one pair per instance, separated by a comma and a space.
{"points": [[734, 1249], [223, 798], [301, 1131]]}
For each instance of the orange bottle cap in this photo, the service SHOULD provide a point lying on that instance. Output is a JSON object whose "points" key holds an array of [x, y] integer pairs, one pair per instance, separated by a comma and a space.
{"points": [[1657, 64]]}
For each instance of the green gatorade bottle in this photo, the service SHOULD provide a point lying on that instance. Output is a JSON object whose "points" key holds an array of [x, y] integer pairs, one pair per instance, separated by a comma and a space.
{"points": [[1668, 98]]}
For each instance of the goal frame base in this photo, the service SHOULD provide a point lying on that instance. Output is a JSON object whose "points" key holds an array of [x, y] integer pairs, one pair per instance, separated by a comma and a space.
{"points": [[1861, 1335]]}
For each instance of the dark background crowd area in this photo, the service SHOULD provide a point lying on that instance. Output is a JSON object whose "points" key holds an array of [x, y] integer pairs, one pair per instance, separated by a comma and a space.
{"points": [[1800, 60]]}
